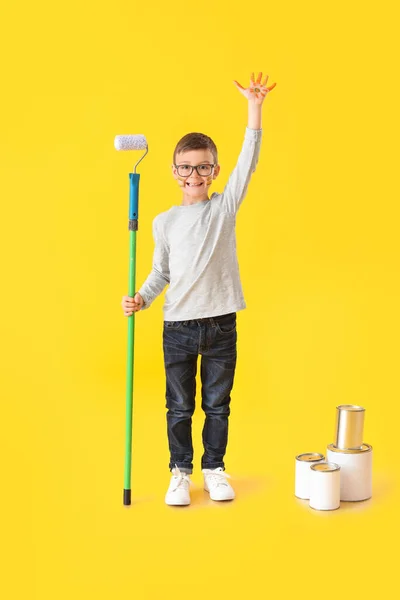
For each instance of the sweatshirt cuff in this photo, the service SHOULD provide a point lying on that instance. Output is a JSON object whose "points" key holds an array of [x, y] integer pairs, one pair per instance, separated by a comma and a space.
{"points": [[147, 301], [253, 134]]}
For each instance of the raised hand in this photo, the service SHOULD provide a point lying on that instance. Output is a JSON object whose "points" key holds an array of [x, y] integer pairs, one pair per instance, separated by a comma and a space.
{"points": [[257, 91]]}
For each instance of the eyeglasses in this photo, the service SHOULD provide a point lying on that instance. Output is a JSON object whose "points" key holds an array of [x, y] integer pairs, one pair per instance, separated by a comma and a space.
{"points": [[187, 170]]}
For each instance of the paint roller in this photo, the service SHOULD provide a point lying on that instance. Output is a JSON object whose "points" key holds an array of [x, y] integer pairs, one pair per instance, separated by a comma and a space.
{"points": [[131, 142]]}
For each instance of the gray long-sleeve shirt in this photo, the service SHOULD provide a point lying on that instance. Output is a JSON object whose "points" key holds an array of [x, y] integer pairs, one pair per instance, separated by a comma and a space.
{"points": [[195, 248]]}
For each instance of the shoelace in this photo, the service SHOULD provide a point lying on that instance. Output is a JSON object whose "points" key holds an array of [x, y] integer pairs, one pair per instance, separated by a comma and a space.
{"points": [[217, 477], [181, 479]]}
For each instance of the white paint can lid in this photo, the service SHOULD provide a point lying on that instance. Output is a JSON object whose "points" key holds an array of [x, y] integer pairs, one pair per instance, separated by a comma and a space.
{"points": [[310, 456], [325, 467]]}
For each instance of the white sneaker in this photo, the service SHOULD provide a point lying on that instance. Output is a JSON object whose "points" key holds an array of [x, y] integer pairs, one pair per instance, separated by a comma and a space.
{"points": [[216, 484], [178, 491]]}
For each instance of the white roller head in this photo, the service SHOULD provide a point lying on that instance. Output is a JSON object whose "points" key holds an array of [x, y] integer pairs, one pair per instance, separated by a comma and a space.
{"points": [[130, 142]]}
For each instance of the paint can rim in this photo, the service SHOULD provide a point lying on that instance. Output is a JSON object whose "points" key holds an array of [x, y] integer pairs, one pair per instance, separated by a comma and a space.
{"points": [[318, 457], [361, 450], [325, 467]]}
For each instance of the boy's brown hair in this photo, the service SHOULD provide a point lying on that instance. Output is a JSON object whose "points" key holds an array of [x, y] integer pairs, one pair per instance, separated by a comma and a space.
{"points": [[196, 141]]}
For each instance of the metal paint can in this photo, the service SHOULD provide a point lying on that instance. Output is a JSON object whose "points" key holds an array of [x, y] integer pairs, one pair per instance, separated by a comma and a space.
{"points": [[356, 471], [325, 486], [303, 463], [349, 427]]}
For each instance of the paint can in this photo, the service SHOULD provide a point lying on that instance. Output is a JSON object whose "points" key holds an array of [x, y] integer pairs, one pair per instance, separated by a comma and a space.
{"points": [[303, 463], [349, 427], [356, 471], [325, 486]]}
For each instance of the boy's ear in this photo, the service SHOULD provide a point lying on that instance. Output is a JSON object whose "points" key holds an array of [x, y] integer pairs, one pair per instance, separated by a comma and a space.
{"points": [[216, 171]]}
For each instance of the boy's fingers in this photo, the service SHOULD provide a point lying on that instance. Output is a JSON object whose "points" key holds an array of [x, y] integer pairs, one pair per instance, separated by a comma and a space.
{"points": [[131, 304], [238, 84]]}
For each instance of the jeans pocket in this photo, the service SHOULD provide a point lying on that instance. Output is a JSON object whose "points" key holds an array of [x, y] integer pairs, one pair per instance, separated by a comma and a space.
{"points": [[226, 323], [173, 324]]}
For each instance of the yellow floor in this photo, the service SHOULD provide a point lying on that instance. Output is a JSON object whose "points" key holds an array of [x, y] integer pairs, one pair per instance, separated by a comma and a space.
{"points": [[65, 524]]}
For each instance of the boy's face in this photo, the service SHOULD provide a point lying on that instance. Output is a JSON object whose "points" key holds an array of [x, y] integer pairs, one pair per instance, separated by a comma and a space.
{"points": [[202, 182]]}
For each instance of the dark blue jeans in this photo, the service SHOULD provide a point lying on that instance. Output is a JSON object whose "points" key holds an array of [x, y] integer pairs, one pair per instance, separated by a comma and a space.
{"points": [[215, 339]]}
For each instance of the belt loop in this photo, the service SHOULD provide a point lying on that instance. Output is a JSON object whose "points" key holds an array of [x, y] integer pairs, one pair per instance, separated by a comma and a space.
{"points": [[185, 322], [212, 322]]}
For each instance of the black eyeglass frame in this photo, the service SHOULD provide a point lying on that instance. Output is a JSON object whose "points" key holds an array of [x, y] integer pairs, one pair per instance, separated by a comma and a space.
{"points": [[197, 169]]}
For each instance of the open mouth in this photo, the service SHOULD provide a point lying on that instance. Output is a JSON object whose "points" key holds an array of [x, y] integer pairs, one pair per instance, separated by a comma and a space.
{"points": [[194, 185]]}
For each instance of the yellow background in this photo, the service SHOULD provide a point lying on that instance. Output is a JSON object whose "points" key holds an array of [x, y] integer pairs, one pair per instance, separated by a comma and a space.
{"points": [[319, 258]]}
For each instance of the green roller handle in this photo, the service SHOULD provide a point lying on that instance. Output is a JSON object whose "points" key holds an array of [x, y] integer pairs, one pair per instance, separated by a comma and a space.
{"points": [[133, 226]]}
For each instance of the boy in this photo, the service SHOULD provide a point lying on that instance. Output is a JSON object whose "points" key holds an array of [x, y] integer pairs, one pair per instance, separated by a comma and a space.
{"points": [[195, 253]]}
